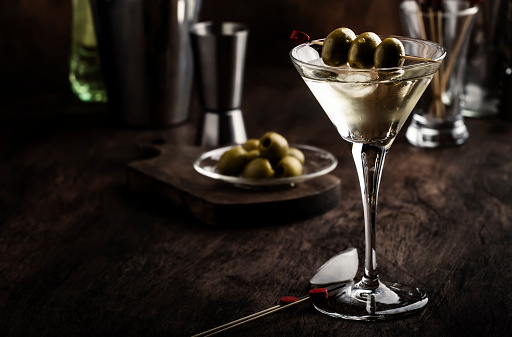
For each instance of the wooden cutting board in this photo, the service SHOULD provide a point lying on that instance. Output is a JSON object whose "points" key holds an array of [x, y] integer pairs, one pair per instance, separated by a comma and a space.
{"points": [[170, 175]]}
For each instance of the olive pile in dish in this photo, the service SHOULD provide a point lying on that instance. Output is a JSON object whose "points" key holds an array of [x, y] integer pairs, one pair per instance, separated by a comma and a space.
{"points": [[268, 157]]}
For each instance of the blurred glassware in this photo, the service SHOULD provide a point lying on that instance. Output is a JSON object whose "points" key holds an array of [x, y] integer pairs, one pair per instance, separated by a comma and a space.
{"points": [[147, 61], [505, 102], [488, 59], [85, 74], [437, 120]]}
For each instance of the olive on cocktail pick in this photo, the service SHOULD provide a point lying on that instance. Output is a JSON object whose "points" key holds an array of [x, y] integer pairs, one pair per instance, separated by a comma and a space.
{"points": [[362, 50], [336, 45], [389, 53]]}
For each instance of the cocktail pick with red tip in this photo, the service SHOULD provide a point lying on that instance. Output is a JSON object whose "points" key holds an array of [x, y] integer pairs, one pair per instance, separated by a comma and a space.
{"points": [[317, 294], [297, 37], [287, 300]]}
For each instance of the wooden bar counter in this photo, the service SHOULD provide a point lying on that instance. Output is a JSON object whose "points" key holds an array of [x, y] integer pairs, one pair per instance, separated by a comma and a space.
{"points": [[82, 254]]}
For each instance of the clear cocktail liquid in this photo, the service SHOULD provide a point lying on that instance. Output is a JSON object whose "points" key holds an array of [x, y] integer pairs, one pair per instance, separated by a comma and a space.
{"points": [[366, 107]]}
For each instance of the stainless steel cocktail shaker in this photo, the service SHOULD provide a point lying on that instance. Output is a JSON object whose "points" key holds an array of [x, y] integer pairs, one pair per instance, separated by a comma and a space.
{"points": [[146, 57]]}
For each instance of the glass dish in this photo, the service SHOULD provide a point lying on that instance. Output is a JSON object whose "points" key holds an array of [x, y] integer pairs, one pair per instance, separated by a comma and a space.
{"points": [[318, 162]]}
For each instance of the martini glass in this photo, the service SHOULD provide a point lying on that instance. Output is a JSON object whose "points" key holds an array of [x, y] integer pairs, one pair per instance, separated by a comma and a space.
{"points": [[369, 107]]}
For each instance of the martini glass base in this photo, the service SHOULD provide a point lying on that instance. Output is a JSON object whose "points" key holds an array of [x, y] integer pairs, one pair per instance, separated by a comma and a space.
{"points": [[388, 301]]}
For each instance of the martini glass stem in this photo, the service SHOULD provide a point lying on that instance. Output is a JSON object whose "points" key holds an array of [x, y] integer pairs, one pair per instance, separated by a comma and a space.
{"points": [[369, 160]]}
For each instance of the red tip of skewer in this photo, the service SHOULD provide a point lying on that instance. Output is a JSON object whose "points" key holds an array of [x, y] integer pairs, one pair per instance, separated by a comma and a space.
{"points": [[287, 300], [319, 293], [297, 37]]}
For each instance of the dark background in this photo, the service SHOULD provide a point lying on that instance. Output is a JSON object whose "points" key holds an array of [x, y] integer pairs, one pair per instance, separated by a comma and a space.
{"points": [[35, 34]]}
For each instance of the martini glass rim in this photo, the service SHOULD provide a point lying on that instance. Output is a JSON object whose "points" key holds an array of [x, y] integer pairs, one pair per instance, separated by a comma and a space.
{"points": [[419, 65]]}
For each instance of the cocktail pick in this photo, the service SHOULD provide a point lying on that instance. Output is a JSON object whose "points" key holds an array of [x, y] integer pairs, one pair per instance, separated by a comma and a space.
{"points": [[433, 8], [298, 37], [283, 302], [455, 52], [286, 302], [423, 33], [440, 80], [332, 275]]}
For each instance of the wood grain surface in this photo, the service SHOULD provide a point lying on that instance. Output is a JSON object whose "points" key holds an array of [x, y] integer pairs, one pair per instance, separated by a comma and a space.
{"points": [[82, 255]]}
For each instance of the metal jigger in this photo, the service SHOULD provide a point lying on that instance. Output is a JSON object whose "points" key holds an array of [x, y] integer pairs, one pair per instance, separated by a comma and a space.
{"points": [[219, 57]]}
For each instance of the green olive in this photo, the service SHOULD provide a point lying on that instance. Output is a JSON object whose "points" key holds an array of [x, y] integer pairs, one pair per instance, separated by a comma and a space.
{"points": [[251, 144], [294, 152], [273, 146], [388, 52], [288, 166], [253, 154], [336, 46], [362, 50], [258, 168], [232, 161]]}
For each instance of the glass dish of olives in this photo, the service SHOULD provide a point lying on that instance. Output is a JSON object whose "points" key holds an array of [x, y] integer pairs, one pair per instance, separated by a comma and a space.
{"points": [[316, 163]]}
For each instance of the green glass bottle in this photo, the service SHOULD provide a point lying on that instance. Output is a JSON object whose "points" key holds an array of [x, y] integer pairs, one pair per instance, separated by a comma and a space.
{"points": [[85, 74]]}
